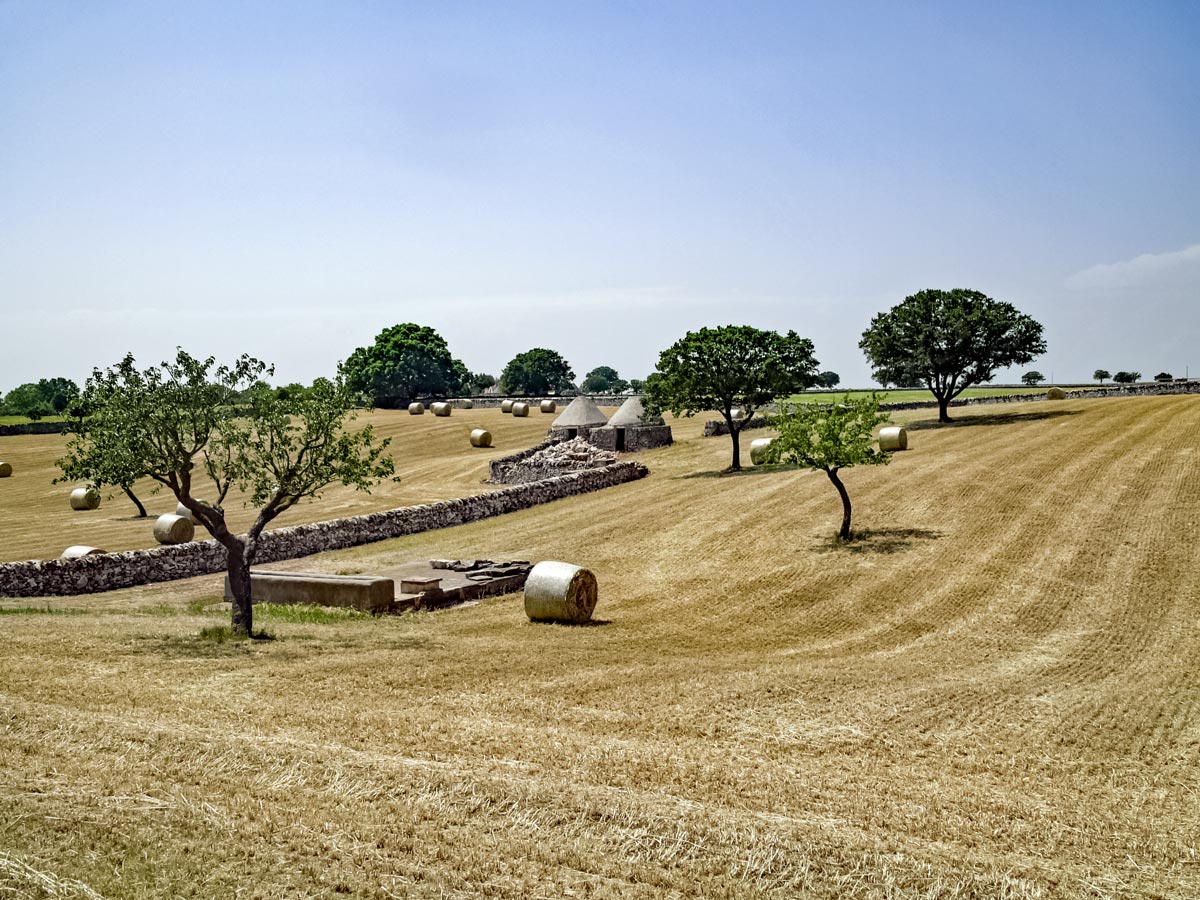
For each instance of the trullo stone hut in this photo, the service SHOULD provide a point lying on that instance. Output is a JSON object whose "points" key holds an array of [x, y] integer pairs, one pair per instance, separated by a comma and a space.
{"points": [[631, 429], [579, 419]]}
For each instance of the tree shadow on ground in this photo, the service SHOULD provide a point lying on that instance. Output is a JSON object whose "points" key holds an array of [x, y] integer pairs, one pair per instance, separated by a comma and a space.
{"points": [[749, 470], [876, 541], [1011, 418]]}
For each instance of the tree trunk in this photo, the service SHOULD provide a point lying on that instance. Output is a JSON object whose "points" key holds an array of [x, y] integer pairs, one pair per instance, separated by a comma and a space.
{"points": [[844, 534], [736, 434], [239, 585], [136, 502], [943, 406]]}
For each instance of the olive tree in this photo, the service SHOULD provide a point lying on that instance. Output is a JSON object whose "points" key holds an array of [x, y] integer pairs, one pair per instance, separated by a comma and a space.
{"points": [[190, 418], [829, 437], [1032, 378], [734, 367], [1101, 374], [949, 341]]}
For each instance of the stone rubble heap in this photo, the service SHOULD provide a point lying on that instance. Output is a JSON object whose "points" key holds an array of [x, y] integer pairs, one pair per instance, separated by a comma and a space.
{"points": [[559, 458]]}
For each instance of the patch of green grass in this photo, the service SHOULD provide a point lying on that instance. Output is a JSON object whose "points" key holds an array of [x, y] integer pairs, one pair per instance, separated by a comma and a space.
{"points": [[22, 420], [910, 396], [306, 613], [221, 634], [200, 605], [38, 611]]}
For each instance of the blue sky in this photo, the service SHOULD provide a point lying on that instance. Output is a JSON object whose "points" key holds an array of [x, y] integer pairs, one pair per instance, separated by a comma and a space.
{"points": [[289, 179]]}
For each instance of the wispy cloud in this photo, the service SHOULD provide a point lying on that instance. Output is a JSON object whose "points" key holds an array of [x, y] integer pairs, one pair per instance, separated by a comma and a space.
{"points": [[1139, 270]]}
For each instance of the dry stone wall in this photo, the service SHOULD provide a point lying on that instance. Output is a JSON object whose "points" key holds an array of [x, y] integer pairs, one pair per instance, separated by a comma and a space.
{"points": [[110, 571]]}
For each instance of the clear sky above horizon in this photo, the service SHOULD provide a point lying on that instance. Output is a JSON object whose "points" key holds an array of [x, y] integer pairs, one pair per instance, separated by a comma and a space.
{"points": [[289, 179]]}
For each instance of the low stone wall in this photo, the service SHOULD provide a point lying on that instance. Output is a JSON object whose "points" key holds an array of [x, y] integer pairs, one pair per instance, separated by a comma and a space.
{"points": [[110, 571], [34, 428], [719, 426]]}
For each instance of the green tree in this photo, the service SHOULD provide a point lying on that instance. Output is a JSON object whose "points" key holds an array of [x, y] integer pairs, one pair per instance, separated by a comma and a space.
{"points": [[536, 372], [406, 362], [1101, 374], [728, 368], [1127, 377], [1032, 378], [603, 380], [637, 385], [1164, 376], [480, 382], [949, 341], [26, 400], [829, 379], [829, 437], [183, 419]]}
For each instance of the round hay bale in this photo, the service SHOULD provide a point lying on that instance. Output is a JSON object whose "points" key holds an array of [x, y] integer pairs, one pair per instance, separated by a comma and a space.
{"points": [[758, 450], [1056, 393], [80, 550], [5, 470], [506, 406], [85, 498], [185, 513], [548, 406], [466, 403], [559, 592], [441, 409], [481, 437], [416, 409], [521, 410], [171, 529], [893, 438], [737, 413]]}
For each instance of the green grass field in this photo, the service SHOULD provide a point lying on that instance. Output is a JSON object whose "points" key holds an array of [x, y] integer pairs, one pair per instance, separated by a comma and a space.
{"points": [[908, 396], [23, 420]]}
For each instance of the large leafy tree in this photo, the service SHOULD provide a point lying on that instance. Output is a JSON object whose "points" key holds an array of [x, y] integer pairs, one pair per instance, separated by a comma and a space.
{"points": [[536, 372], [603, 380], [949, 341], [829, 437], [1127, 377], [1032, 378], [41, 398], [406, 362], [730, 368], [1101, 374], [190, 418]]}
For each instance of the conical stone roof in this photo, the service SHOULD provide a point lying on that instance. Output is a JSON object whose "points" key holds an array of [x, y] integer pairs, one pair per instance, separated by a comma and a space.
{"points": [[632, 414], [581, 413]]}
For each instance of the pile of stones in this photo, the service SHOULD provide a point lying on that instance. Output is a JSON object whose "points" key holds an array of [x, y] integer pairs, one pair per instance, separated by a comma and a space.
{"points": [[560, 458]]}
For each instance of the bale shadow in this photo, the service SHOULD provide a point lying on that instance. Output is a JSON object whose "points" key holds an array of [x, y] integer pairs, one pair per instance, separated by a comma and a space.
{"points": [[590, 623], [992, 419], [884, 541]]}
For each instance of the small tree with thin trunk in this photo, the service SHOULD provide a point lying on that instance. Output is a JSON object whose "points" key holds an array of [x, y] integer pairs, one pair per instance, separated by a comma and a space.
{"points": [[192, 418], [734, 367], [1101, 374], [830, 437], [1032, 378]]}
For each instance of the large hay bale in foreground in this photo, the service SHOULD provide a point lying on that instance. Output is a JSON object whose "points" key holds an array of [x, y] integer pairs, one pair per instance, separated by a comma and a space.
{"points": [[548, 406], [560, 592], [1056, 393], [416, 409], [85, 498], [171, 529], [521, 410], [466, 403], [441, 409], [893, 438], [758, 450], [5, 469], [506, 406], [80, 550], [481, 437]]}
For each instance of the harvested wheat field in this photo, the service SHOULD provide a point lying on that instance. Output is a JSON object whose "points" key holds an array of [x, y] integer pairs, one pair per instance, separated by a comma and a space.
{"points": [[995, 693]]}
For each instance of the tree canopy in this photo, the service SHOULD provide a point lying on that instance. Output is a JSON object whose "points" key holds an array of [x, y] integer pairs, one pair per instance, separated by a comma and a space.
{"points": [[536, 372], [728, 368], [41, 398], [829, 379], [1101, 374], [1127, 377], [406, 362], [603, 380], [949, 341], [190, 418], [1033, 377], [829, 437]]}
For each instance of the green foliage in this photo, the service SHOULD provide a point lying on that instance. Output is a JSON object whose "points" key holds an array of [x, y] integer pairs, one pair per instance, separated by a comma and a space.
{"points": [[1127, 377], [223, 634], [1164, 376], [829, 379], [1101, 374], [43, 398], [406, 362], [308, 614], [727, 368], [1032, 378], [536, 372], [637, 385], [478, 382], [603, 380], [948, 341]]}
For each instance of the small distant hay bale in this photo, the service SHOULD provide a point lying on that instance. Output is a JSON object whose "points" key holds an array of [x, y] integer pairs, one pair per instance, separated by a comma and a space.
{"points": [[548, 406], [1056, 393], [737, 414], [506, 406], [80, 550], [466, 403], [758, 450], [893, 438], [481, 437], [85, 498], [416, 409], [5, 470], [560, 592], [184, 512], [521, 410], [171, 529], [441, 409]]}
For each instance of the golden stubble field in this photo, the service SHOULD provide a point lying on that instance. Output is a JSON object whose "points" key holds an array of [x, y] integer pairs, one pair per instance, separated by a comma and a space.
{"points": [[994, 694]]}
